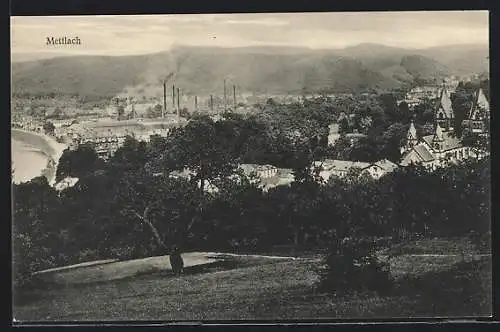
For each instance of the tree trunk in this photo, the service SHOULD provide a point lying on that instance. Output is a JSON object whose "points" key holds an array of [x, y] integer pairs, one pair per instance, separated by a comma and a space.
{"points": [[145, 219], [202, 185], [296, 237]]}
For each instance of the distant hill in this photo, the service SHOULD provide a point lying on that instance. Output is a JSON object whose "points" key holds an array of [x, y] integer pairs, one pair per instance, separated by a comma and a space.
{"points": [[368, 51], [463, 59], [460, 59], [275, 70], [27, 56], [198, 71], [423, 67], [404, 64], [81, 75]]}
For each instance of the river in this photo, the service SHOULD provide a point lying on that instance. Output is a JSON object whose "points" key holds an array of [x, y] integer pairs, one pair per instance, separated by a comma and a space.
{"points": [[31, 153]]}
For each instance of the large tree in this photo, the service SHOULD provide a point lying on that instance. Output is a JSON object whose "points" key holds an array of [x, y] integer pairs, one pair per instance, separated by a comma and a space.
{"points": [[34, 229], [132, 155], [167, 208], [202, 149], [78, 163]]}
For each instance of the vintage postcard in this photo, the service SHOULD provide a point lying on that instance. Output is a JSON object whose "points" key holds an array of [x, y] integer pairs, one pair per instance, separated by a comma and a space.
{"points": [[270, 167]]}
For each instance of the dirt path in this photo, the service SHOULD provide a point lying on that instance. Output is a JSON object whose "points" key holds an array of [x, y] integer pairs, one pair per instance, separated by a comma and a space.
{"points": [[107, 270]]}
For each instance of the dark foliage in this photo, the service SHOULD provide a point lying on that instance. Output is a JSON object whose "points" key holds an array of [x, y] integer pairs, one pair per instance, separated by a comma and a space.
{"points": [[80, 163], [351, 266], [49, 128]]}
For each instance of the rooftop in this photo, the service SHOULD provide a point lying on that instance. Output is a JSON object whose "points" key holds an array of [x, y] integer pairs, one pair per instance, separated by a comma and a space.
{"points": [[424, 154], [386, 165], [341, 165], [449, 141], [334, 128], [445, 103], [248, 168]]}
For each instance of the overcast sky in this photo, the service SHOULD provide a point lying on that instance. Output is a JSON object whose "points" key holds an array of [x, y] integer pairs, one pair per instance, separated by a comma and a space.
{"points": [[115, 35]]}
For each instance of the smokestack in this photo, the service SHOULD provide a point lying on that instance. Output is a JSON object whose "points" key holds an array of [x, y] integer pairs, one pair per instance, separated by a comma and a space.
{"points": [[178, 105], [211, 102], [225, 96], [196, 102], [173, 96], [164, 99], [234, 97]]}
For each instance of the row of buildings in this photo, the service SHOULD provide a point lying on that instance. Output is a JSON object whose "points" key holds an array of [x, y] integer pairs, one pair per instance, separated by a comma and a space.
{"points": [[264, 176], [28, 124], [432, 91], [267, 177], [106, 136], [341, 168]]}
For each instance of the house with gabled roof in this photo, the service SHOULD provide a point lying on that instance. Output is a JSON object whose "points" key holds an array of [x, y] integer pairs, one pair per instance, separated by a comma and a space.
{"points": [[378, 169], [268, 176], [340, 168]]}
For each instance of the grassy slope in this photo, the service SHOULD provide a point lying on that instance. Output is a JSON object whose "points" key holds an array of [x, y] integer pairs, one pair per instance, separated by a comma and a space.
{"points": [[271, 290]]}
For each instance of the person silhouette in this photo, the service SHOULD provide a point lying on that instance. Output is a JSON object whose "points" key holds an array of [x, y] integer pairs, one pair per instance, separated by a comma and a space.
{"points": [[176, 261]]}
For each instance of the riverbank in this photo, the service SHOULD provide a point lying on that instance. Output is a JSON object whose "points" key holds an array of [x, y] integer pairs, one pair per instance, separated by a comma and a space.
{"points": [[26, 143]]}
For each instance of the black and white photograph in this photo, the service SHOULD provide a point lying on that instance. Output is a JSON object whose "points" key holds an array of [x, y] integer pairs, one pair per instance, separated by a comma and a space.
{"points": [[251, 167]]}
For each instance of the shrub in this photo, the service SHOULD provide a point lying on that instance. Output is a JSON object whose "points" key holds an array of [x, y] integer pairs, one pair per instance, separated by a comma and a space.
{"points": [[123, 252], [88, 255], [27, 259], [482, 241], [352, 266]]}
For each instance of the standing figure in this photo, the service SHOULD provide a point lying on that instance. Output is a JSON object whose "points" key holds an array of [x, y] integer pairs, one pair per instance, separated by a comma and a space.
{"points": [[176, 261]]}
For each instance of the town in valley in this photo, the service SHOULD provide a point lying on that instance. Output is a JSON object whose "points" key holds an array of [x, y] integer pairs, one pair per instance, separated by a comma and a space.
{"points": [[207, 182]]}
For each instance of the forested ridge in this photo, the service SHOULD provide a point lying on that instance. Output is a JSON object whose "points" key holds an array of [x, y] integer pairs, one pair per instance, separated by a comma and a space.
{"points": [[280, 70]]}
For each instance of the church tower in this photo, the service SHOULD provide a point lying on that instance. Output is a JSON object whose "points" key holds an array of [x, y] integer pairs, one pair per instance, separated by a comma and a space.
{"points": [[444, 111], [479, 111], [411, 138], [438, 139]]}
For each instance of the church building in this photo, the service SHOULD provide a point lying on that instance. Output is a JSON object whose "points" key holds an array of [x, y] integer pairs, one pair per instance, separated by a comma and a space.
{"points": [[433, 150], [443, 145]]}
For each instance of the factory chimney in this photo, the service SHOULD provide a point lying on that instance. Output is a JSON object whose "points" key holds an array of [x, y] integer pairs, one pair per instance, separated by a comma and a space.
{"points": [[234, 97], [178, 105], [173, 96], [225, 95], [164, 99]]}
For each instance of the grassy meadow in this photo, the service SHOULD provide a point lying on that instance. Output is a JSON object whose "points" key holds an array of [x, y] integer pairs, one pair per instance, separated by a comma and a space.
{"points": [[456, 284]]}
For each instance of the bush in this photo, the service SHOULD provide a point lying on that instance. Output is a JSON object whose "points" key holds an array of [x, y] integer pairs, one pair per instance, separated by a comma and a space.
{"points": [[123, 252], [482, 241], [351, 266], [87, 255]]}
